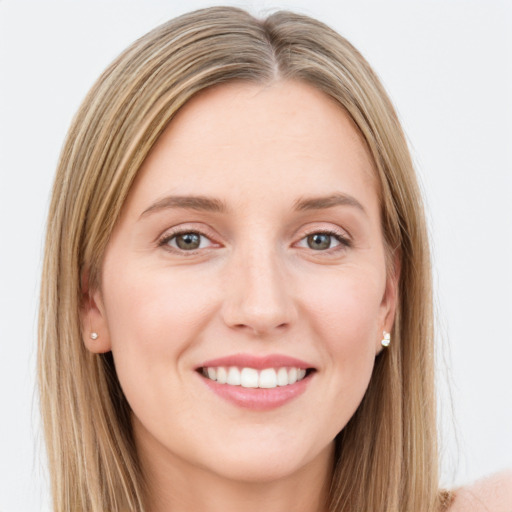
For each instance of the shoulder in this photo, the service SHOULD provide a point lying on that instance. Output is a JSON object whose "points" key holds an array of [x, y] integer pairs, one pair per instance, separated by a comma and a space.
{"points": [[491, 494]]}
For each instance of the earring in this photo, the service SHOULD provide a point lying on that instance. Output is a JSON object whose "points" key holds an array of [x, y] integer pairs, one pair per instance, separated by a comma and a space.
{"points": [[94, 335], [386, 340]]}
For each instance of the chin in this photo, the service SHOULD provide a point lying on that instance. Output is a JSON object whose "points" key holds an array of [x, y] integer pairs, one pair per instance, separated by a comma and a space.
{"points": [[260, 471], [263, 463]]}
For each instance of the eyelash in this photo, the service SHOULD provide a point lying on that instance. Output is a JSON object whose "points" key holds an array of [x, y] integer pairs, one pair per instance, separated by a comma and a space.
{"points": [[343, 240]]}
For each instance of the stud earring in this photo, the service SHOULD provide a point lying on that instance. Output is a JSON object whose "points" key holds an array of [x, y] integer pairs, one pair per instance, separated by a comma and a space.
{"points": [[386, 340], [94, 335]]}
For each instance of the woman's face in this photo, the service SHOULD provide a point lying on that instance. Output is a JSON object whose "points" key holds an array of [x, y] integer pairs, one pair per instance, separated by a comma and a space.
{"points": [[250, 249]]}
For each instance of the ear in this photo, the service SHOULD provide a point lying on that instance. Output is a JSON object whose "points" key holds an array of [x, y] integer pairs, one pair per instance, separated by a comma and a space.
{"points": [[389, 302], [95, 332]]}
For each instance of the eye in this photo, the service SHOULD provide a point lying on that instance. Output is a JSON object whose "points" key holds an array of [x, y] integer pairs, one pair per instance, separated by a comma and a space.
{"points": [[324, 240], [186, 241]]}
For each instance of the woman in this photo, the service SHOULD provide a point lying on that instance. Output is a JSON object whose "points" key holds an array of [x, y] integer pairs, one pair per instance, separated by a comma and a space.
{"points": [[236, 302]]}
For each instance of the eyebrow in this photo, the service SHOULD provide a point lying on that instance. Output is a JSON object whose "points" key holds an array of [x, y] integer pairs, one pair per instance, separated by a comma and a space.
{"points": [[200, 203], [330, 201], [210, 204]]}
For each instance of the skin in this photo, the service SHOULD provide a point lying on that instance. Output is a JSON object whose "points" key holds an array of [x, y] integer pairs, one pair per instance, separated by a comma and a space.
{"points": [[490, 494], [255, 285]]}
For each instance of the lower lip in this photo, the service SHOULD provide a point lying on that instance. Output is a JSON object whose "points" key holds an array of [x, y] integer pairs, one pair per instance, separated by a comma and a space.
{"points": [[258, 399]]}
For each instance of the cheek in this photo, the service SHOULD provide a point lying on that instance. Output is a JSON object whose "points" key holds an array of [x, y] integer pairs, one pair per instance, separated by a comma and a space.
{"points": [[153, 318], [346, 318], [153, 308], [347, 310]]}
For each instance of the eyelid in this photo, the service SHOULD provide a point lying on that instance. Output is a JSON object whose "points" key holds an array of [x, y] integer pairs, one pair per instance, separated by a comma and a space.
{"points": [[328, 229]]}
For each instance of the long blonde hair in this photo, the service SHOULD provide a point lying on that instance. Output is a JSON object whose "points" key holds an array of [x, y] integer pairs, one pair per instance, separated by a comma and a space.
{"points": [[386, 457]]}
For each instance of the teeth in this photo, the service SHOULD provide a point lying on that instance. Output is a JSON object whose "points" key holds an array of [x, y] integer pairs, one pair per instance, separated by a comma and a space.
{"points": [[233, 377], [248, 378], [282, 377], [222, 375], [251, 378], [268, 378]]}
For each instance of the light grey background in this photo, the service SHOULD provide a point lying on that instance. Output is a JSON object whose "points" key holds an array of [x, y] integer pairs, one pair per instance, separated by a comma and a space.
{"points": [[447, 66]]}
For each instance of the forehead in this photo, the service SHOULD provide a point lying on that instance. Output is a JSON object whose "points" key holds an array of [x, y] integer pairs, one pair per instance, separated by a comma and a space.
{"points": [[243, 140]]}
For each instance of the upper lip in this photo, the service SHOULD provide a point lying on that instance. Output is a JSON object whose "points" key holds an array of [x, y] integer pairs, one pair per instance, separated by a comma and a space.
{"points": [[257, 362]]}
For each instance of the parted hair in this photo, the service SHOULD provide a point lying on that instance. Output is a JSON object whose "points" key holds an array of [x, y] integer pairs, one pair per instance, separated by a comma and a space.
{"points": [[386, 456]]}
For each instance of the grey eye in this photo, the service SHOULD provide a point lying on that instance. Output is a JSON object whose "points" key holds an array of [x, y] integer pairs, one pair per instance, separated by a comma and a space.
{"points": [[319, 241], [188, 241]]}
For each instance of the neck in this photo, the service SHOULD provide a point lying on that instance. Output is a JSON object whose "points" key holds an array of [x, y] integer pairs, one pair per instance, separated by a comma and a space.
{"points": [[174, 484]]}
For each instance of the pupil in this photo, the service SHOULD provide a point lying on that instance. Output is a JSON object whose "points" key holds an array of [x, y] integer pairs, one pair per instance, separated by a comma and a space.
{"points": [[319, 241], [188, 241]]}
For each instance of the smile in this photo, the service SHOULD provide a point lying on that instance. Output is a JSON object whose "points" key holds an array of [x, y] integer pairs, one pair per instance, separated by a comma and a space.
{"points": [[266, 378], [260, 383]]}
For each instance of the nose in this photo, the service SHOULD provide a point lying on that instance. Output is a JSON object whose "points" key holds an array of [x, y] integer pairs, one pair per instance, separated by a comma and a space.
{"points": [[259, 298]]}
